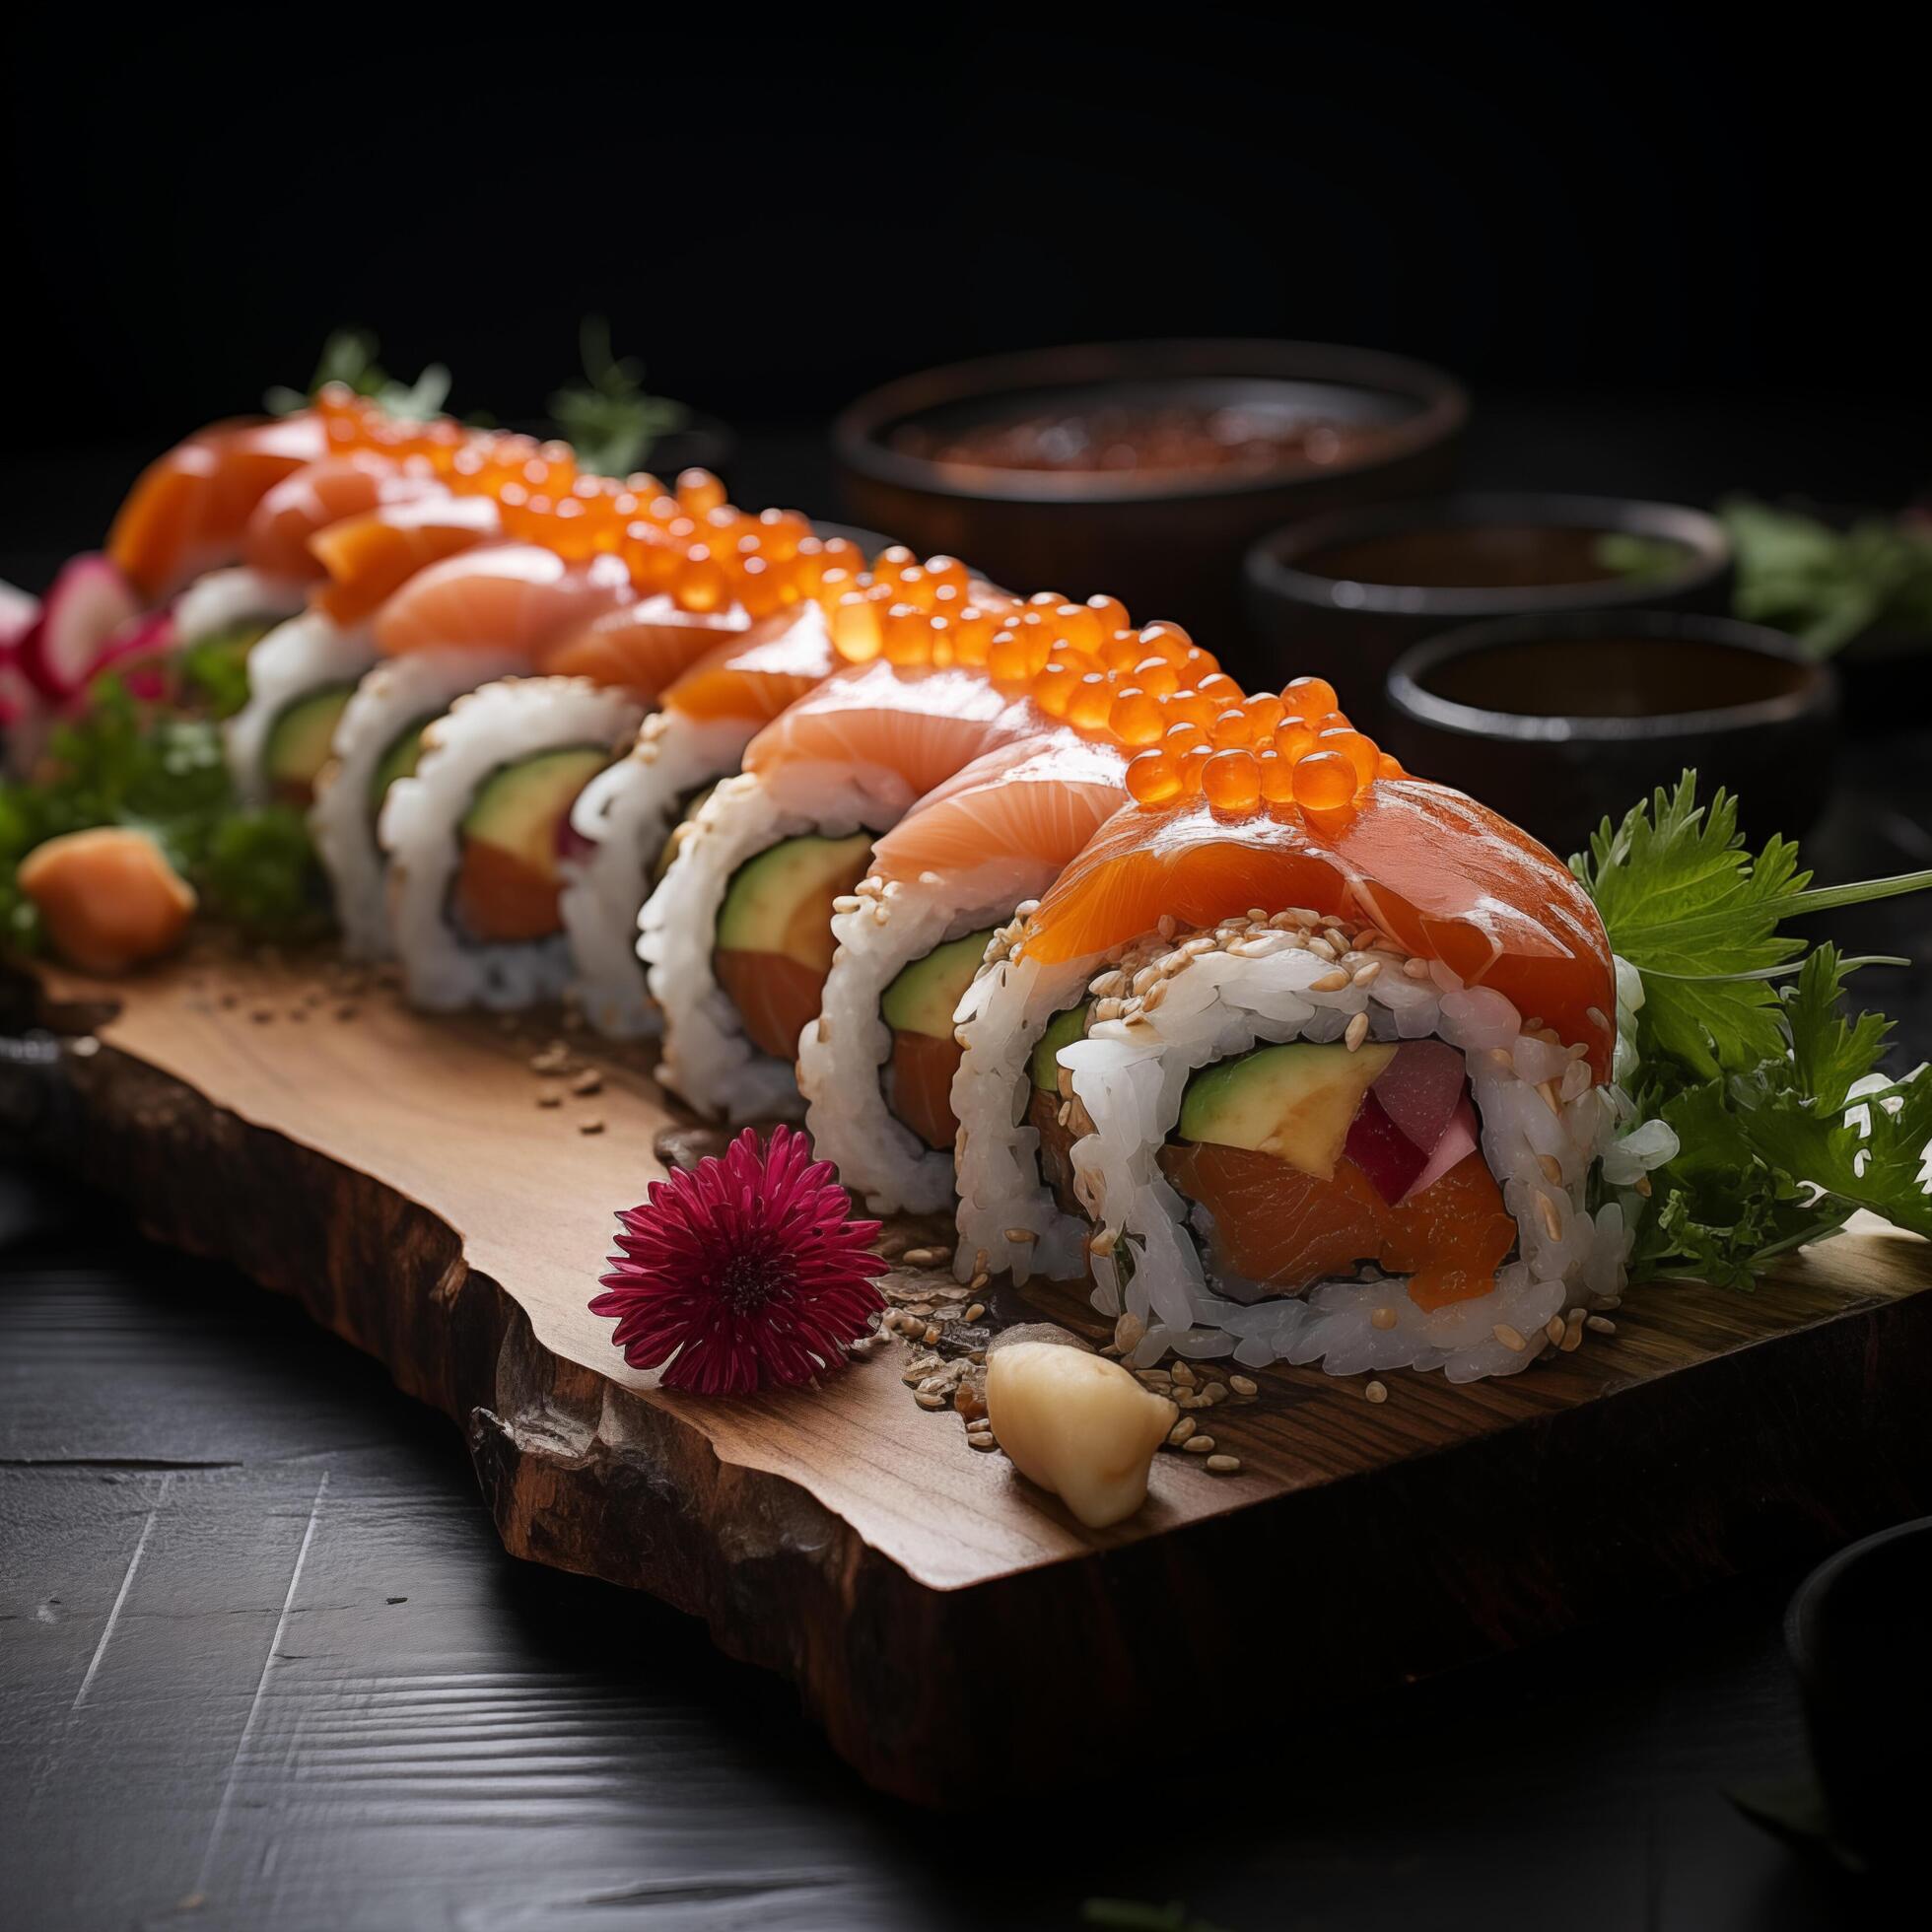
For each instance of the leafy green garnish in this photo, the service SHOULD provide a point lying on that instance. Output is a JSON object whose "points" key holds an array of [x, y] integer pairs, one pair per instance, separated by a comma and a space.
{"points": [[1754, 1079], [609, 419], [349, 357], [122, 763], [213, 670], [1826, 586]]}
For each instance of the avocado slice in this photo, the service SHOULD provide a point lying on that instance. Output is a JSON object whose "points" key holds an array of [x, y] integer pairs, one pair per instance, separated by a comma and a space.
{"points": [[687, 811], [518, 807], [299, 740], [1062, 1031], [922, 999], [1295, 1102], [781, 901], [404, 754]]}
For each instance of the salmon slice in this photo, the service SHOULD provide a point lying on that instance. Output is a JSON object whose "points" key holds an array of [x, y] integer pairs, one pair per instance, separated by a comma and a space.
{"points": [[371, 557], [276, 540], [777, 997], [762, 672], [909, 730], [188, 509], [515, 595], [1286, 1229], [921, 1076], [642, 647], [500, 898], [1444, 876], [1036, 802]]}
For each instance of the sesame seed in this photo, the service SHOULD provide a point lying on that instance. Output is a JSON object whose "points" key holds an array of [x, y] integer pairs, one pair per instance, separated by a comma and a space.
{"points": [[1509, 1337], [592, 1126], [1355, 1032], [1366, 974], [1128, 1332], [1242, 1386], [980, 1441], [931, 1335], [1320, 946], [1026, 909], [1545, 1213], [1415, 969], [1594, 1016], [1182, 1431], [1225, 1465], [1184, 1375], [1547, 1088], [1375, 1392], [1552, 1169], [1165, 925], [1572, 1334], [980, 1277], [1554, 1328], [1601, 1323], [1383, 1318], [846, 902], [1155, 994], [930, 1399], [1199, 1445], [1329, 982], [1024, 1236], [550, 1100]]}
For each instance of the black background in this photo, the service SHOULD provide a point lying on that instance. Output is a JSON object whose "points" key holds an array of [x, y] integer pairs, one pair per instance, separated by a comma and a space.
{"points": [[781, 208]]}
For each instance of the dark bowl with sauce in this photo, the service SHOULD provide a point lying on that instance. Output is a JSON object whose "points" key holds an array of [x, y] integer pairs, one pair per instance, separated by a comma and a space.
{"points": [[1342, 597], [1560, 722], [1142, 469]]}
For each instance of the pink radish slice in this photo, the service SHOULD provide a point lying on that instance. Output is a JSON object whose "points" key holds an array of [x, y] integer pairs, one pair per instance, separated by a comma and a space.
{"points": [[18, 614], [90, 601], [1457, 1144], [1419, 1089], [18, 698], [1380, 1148]]}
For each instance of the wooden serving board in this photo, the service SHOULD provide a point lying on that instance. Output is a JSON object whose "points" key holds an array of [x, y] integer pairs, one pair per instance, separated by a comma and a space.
{"points": [[948, 1624]]}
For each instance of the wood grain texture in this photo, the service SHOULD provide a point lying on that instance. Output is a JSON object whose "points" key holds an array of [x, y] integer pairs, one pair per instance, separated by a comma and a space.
{"points": [[396, 1174]]}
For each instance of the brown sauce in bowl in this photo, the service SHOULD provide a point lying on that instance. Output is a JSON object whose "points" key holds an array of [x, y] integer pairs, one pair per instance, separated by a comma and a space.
{"points": [[1471, 557], [1115, 440]]}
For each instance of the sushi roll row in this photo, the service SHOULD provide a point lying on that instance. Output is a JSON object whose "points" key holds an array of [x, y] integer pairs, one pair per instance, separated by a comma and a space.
{"points": [[1031, 913]]}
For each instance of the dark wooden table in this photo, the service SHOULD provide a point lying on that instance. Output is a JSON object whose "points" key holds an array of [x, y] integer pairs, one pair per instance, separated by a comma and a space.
{"points": [[264, 1664]]}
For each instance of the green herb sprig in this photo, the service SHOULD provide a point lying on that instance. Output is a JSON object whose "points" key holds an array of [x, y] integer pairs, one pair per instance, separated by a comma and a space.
{"points": [[349, 357], [1828, 587], [610, 418], [1756, 1079]]}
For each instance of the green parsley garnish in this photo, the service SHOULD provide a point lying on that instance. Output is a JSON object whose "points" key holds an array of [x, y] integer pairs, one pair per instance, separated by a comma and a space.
{"points": [[349, 357], [1826, 586], [609, 419], [1755, 1079]]}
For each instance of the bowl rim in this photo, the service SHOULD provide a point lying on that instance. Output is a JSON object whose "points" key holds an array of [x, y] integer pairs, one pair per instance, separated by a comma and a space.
{"points": [[1411, 698], [857, 431], [1270, 569], [1801, 1613]]}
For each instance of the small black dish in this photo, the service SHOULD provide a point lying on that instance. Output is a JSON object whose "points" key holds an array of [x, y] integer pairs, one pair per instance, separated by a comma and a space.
{"points": [[1856, 1634], [1559, 722], [1342, 596]]}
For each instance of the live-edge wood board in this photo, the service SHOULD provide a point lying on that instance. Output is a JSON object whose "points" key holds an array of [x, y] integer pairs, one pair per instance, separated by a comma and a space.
{"points": [[951, 1627]]}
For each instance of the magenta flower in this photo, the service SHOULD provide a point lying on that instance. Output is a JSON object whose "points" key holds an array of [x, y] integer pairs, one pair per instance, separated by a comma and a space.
{"points": [[744, 1273]]}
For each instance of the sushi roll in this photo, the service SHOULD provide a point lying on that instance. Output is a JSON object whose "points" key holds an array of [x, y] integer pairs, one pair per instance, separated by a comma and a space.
{"points": [[300, 677], [1335, 1094], [475, 834], [627, 815], [737, 937], [477, 614]]}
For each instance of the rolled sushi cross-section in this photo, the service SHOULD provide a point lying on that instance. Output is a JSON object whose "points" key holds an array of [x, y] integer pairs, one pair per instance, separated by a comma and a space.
{"points": [[720, 678], [477, 834], [737, 937], [878, 1074], [1353, 1121]]}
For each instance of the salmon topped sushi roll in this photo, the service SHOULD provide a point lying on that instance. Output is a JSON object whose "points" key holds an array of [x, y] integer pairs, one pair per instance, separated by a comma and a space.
{"points": [[878, 1070], [1319, 1046]]}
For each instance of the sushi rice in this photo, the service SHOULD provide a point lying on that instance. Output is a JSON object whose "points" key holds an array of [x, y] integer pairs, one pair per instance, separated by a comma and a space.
{"points": [[485, 729], [299, 658], [237, 595], [627, 812], [399, 694]]}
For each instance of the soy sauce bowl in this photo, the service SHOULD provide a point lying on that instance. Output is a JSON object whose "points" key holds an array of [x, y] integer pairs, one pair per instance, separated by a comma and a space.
{"points": [[1342, 596], [1856, 1636], [1560, 720]]}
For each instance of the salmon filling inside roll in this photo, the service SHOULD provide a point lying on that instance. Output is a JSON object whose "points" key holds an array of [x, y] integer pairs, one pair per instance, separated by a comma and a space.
{"points": [[1306, 1162], [513, 837], [917, 1007], [774, 941]]}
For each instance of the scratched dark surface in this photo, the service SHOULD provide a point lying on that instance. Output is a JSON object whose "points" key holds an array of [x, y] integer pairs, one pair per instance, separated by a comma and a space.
{"points": [[264, 1665]]}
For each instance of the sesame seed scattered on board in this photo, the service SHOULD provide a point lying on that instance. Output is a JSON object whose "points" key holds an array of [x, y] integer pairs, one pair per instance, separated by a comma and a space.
{"points": [[981, 1441], [1601, 1323], [591, 1125], [550, 1099], [1198, 1445], [1182, 1431], [1554, 1328], [1375, 1392], [974, 1310], [1572, 1336], [1242, 1386], [1225, 1465]]}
